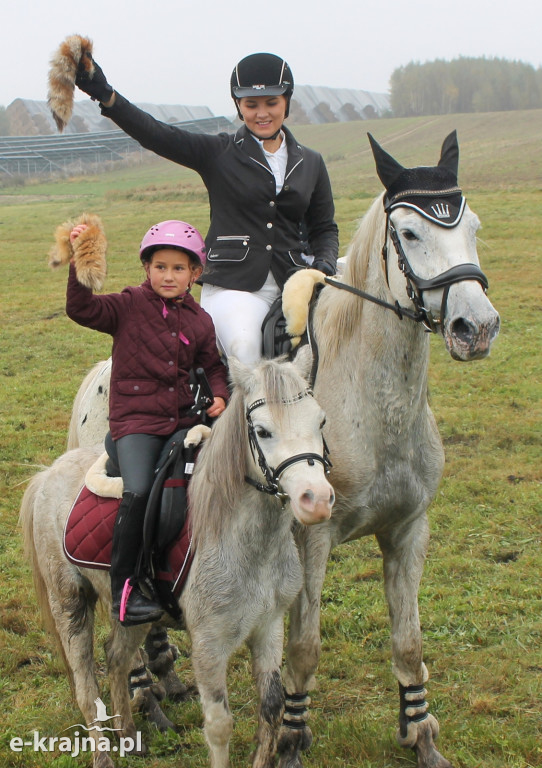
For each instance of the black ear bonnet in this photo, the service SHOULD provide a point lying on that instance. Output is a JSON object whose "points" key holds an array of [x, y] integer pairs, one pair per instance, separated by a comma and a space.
{"points": [[431, 191]]}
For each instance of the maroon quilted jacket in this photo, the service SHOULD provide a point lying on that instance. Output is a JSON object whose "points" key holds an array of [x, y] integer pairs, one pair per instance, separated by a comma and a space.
{"points": [[155, 344]]}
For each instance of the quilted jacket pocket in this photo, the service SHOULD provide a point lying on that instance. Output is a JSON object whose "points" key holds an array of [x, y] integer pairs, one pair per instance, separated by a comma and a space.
{"points": [[136, 387]]}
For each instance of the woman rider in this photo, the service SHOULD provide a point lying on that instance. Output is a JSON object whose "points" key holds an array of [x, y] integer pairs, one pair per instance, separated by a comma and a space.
{"points": [[271, 206]]}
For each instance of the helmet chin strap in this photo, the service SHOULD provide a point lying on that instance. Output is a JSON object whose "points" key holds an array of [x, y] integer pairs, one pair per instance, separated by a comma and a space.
{"points": [[265, 138]]}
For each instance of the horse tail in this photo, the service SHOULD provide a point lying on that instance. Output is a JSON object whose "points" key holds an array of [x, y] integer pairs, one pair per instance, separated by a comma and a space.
{"points": [[26, 521], [58, 580]]}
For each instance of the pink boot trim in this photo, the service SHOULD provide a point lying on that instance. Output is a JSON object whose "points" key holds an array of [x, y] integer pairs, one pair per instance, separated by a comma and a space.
{"points": [[126, 592]]}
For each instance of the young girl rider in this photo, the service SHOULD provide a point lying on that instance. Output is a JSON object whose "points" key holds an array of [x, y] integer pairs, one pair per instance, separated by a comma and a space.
{"points": [[270, 198], [159, 333]]}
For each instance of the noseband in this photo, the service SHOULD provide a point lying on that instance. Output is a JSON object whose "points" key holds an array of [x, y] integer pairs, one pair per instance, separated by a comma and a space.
{"points": [[272, 476], [417, 285]]}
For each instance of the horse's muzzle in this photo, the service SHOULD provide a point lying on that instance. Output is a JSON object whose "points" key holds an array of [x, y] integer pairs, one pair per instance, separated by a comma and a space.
{"points": [[468, 340], [313, 505]]}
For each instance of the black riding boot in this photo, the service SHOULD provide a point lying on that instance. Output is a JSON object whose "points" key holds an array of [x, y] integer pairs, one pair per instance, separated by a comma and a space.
{"points": [[127, 537]]}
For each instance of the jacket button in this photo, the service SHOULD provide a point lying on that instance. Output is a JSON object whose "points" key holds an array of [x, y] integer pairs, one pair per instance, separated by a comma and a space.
{"points": [[171, 418], [272, 203], [171, 362], [269, 225], [172, 389], [173, 333], [268, 247], [136, 388]]}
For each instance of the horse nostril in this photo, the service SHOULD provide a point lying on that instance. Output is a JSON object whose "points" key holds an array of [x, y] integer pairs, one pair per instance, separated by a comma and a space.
{"points": [[308, 496], [462, 329]]}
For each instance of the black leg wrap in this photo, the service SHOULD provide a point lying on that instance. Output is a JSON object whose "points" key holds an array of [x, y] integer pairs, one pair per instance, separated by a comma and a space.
{"points": [[295, 710], [156, 642], [413, 706], [139, 678], [160, 653]]}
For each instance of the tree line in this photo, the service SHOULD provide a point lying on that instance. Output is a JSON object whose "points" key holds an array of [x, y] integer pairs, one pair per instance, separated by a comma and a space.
{"points": [[464, 85]]}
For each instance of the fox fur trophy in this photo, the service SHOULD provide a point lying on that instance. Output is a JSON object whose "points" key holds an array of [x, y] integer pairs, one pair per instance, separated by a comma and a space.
{"points": [[64, 64], [88, 250]]}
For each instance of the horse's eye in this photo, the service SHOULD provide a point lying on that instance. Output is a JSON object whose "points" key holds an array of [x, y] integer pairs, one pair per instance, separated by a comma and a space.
{"points": [[263, 433], [408, 235], [323, 423]]}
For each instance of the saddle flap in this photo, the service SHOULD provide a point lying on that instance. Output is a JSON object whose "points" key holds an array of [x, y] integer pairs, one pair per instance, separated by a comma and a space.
{"points": [[88, 536], [275, 339], [88, 533], [166, 507]]}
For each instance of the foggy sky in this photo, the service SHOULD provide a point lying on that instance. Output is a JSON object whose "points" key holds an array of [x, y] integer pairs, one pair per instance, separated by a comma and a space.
{"points": [[179, 52]]}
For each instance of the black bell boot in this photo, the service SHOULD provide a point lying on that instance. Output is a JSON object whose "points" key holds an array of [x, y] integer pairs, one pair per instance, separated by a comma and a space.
{"points": [[129, 603]]}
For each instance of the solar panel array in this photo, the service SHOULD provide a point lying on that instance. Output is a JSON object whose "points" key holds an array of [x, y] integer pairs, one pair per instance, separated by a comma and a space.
{"points": [[80, 152]]}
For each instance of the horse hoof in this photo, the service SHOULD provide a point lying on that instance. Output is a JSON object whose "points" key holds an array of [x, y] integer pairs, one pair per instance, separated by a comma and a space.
{"points": [[290, 744], [175, 690], [290, 761], [427, 754], [433, 760], [102, 760]]}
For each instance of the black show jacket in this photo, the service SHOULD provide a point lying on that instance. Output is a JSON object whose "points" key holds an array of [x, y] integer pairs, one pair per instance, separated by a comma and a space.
{"points": [[252, 229]]}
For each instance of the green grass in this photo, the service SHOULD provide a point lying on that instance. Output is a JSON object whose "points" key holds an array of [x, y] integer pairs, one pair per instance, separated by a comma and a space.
{"points": [[480, 599]]}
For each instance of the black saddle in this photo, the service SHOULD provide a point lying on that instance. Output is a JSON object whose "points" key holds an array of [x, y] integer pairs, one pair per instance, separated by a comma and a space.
{"points": [[275, 341], [165, 515]]}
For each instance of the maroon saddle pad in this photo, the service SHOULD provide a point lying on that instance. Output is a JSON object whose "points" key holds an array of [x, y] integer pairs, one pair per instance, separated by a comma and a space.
{"points": [[88, 536]]}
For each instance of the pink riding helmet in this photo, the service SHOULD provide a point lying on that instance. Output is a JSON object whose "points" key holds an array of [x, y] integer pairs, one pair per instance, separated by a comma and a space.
{"points": [[174, 234]]}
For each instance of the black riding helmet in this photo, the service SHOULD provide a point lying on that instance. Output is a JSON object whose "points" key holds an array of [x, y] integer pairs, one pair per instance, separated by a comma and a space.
{"points": [[262, 74]]}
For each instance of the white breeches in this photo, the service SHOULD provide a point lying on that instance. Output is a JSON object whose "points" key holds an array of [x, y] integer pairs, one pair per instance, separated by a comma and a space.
{"points": [[238, 317]]}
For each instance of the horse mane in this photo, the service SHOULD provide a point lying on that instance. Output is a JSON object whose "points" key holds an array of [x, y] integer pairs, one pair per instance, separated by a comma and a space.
{"points": [[339, 312], [218, 483]]}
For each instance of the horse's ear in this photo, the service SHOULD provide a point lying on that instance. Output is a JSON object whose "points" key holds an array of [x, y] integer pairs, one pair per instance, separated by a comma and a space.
{"points": [[387, 168], [303, 362], [240, 374], [449, 154]]}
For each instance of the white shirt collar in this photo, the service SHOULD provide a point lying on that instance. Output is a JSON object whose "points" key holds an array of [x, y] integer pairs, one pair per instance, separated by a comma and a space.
{"points": [[277, 161]]}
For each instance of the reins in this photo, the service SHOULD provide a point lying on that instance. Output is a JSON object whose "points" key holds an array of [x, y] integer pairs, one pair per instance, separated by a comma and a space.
{"points": [[272, 476], [399, 311]]}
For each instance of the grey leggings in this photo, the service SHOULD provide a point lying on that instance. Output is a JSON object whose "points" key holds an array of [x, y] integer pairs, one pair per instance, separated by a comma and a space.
{"points": [[138, 456]]}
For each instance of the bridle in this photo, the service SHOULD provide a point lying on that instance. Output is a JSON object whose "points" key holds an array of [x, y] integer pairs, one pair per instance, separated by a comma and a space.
{"points": [[416, 286], [272, 484]]}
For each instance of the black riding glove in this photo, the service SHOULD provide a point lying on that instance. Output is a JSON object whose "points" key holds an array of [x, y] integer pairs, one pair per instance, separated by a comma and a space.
{"points": [[324, 267], [96, 86]]}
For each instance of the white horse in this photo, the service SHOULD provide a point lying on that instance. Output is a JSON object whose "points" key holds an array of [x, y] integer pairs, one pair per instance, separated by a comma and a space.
{"points": [[411, 267], [246, 569], [415, 271]]}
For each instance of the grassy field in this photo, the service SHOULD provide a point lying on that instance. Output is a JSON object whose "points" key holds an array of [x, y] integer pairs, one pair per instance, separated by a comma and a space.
{"points": [[480, 600]]}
